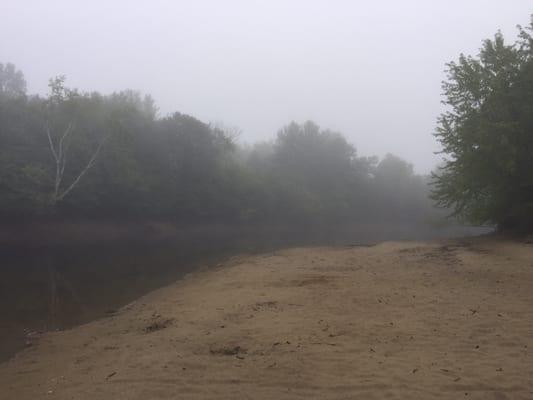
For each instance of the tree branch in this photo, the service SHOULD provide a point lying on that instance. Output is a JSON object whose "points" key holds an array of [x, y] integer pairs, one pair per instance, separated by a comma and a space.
{"points": [[50, 141], [83, 171]]}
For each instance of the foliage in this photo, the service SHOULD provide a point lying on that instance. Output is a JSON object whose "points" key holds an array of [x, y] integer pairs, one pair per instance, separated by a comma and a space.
{"points": [[88, 154], [487, 132]]}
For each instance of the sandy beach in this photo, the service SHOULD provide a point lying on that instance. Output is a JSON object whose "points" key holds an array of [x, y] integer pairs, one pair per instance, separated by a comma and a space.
{"points": [[399, 320]]}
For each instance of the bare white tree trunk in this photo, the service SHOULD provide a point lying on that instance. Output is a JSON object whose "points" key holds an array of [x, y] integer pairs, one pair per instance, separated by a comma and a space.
{"points": [[59, 152]]}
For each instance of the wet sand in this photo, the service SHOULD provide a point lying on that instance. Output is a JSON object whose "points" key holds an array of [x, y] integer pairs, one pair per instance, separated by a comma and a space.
{"points": [[400, 320]]}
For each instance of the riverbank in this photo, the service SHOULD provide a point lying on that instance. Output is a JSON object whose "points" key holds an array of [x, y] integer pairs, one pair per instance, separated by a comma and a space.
{"points": [[56, 274], [443, 319]]}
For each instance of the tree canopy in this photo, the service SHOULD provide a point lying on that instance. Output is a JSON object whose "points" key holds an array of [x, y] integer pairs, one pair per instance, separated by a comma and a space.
{"points": [[88, 154], [487, 135]]}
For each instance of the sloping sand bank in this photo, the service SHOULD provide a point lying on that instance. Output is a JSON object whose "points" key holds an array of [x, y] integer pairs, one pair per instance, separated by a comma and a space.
{"points": [[441, 320]]}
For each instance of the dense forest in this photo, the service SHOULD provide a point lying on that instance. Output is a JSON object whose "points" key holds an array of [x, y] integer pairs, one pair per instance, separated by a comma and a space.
{"points": [[74, 154]]}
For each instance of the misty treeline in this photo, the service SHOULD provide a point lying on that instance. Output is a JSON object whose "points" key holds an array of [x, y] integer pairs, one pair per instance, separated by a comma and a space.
{"points": [[88, 154]]}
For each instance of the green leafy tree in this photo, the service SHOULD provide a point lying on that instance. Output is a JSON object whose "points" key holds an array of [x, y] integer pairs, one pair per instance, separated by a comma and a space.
{"points": [[487, 134]]}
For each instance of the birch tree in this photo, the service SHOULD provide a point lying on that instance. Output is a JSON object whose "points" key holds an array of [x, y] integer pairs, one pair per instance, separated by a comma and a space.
{"points": [[59, 143]]}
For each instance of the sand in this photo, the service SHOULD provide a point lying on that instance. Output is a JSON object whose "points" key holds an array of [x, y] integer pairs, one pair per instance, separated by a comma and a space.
{"points": [[438, 320]]}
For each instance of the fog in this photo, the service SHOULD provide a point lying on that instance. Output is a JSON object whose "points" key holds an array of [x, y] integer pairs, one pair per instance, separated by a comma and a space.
{"points": [[281, 199], [371, 70]]}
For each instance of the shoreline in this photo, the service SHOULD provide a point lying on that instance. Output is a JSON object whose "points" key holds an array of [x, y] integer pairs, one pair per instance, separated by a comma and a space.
{"points": [[398, 320], [59, 274]]}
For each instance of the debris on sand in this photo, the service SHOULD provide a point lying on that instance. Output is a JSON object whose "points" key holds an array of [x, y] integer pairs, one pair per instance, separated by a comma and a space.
{"points": [[112, 374], [158, 324], [228, 350]]}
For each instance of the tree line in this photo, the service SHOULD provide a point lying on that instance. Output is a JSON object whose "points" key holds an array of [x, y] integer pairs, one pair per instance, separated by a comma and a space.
{"points": [[87, 154]]}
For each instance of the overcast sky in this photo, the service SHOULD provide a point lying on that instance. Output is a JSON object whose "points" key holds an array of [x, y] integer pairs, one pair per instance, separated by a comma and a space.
{"points": [[369, 69]]}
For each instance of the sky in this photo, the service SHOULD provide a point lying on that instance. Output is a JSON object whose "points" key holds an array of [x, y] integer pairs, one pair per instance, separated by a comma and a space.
{"points": [[371, 70]]}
